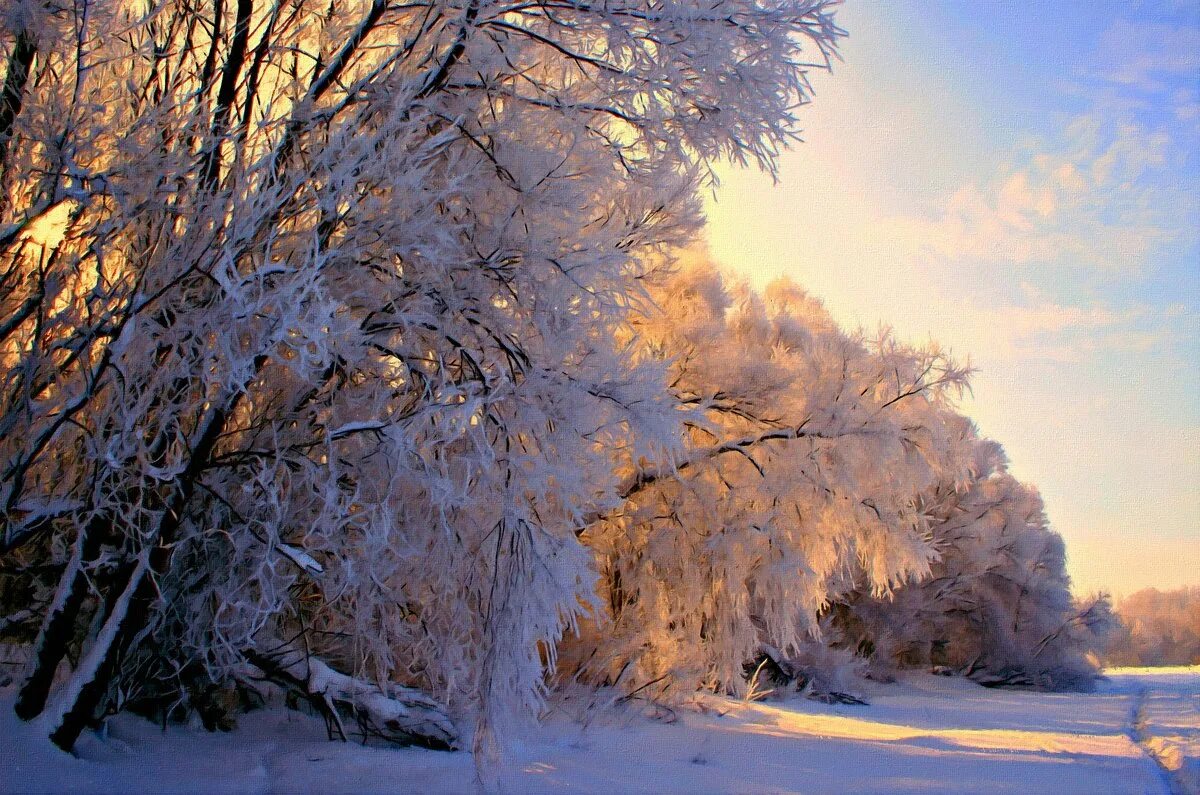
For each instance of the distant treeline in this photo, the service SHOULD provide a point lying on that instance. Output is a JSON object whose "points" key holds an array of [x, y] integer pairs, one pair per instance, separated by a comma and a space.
{"points": [[1157, 628]]}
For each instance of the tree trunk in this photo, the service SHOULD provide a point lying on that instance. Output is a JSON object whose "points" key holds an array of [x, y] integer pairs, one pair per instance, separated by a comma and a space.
{"points": [[77, 705], [59, 626]]}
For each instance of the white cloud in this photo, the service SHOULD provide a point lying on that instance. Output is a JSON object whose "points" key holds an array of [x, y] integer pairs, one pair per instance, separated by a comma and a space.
{"points": [[1102, 197]]}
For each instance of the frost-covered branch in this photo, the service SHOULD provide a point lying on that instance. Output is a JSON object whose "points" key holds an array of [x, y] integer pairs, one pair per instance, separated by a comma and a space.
{"points": [[310, 329], [399, 715]]}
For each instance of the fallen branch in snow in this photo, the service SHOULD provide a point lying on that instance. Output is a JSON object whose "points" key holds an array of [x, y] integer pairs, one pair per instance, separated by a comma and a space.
{"points": [[1007, 677], [402, 715], [805, 676], [836, 697]]}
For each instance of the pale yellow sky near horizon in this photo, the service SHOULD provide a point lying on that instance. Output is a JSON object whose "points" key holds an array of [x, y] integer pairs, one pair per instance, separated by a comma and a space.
{"points": [[906, 206]]}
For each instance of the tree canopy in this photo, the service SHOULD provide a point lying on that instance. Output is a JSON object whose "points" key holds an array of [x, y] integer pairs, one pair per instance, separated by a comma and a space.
{"points": [[349, 345]]}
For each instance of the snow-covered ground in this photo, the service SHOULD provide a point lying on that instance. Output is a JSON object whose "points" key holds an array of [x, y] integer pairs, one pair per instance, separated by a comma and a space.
{"points": [[1139, 733], [1166, 719]]}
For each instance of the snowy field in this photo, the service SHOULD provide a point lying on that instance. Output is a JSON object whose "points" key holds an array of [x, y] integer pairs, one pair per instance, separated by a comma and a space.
{"points": [[1139, 733]]}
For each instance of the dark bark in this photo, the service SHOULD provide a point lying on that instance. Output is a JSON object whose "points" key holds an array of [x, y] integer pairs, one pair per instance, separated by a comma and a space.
{"points": [[82, 711], [59, 628], [13, 96], [131, 620], [227, 92], [438, 78]]}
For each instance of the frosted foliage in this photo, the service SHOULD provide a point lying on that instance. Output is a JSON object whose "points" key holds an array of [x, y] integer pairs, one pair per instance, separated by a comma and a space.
{"points": [[1157, 628], [348, 342], [997, 603], [327, 306], [806, 451]]}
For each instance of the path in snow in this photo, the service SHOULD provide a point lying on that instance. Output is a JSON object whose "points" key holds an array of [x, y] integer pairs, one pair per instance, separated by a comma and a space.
{"points": [[1165, 722], [1140, 733]]}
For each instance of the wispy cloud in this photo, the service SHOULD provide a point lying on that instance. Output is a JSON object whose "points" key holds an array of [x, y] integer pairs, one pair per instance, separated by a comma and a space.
{"points": [[1051, 331], [1144, 55], [1102, 196]]}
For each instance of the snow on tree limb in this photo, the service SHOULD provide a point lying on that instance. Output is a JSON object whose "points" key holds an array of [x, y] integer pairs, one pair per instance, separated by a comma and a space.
{"points": [[348, 323], [400, 715]]}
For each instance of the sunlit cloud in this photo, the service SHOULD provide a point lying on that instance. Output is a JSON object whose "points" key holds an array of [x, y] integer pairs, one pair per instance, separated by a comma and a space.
{"points": [[1103, 196]]}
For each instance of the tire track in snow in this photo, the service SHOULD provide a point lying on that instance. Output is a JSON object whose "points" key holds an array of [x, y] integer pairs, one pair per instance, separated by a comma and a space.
{"points": [[1139, 734]]}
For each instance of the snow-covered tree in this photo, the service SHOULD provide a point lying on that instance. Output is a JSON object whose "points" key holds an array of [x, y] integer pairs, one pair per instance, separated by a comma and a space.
{"points": [[1157, 628], [312, 327], [341, 345], [807, 448], [997, 603]]}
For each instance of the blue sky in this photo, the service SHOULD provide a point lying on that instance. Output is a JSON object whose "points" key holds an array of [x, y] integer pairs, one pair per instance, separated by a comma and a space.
{"points": [[1020, 182]]}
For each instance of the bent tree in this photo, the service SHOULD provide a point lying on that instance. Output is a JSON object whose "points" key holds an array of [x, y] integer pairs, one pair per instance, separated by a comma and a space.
{"points": [[312, 330], [806, 448]]}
